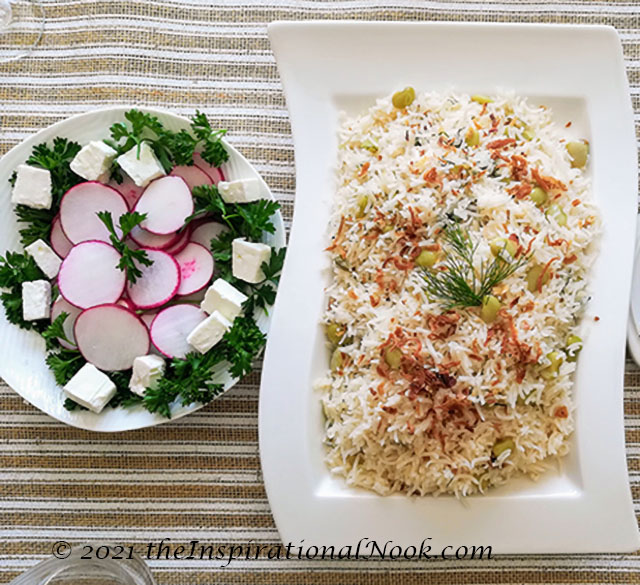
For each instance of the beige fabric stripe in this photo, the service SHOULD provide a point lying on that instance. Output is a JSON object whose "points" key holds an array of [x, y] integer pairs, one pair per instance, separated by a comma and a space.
{"points": [[199, 477]]}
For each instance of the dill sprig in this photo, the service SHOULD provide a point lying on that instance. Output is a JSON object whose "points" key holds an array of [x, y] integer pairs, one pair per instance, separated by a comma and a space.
{"points": [[460, 284]]}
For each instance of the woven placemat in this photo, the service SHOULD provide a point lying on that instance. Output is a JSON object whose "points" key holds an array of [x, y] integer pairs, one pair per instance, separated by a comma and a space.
{"points": [[199, 478]]}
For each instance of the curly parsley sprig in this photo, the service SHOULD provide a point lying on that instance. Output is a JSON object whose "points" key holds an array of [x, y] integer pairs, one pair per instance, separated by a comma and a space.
{"points": [[244, 220], [190, 378], [171, 148], [15, 269], [56, 159], [129, 257]]}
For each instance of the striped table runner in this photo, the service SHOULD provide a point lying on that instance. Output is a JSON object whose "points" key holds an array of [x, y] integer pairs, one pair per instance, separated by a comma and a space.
{"points": [[199, 478]]}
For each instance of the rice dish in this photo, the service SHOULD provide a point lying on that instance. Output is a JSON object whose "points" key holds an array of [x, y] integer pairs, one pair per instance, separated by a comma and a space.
{"points": [[463, 230]]}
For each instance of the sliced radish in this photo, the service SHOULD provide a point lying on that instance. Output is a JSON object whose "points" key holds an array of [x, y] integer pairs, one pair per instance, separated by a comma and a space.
{"points": [[180, 243], [158, 283], [146, 239], [196, 268], [170, 328], [205, 232], [128, 189], [214, 173], [79, 207], [167, 202], [110, 337], [89, 275], [61, 306], [193, 175], [59, 242]]}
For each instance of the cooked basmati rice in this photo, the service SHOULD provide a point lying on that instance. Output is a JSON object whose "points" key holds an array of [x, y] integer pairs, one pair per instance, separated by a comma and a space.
{"points": [[466, 404]]}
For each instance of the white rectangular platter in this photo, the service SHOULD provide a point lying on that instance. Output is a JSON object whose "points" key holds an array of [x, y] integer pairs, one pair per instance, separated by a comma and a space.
{"points": [[585, 506]]}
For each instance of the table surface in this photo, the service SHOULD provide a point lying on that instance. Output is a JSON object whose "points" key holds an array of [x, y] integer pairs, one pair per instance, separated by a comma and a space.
{"points": [[199, 478]]}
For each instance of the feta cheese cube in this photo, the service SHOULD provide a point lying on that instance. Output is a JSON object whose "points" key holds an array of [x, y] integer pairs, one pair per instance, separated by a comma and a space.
{"points": [[32, 187], [46, 259], [225, 298], [93, 160], [144, 169], [147, 370], [36, 300], [247, 259], [209, 332], [240, 191], [91, 388]]}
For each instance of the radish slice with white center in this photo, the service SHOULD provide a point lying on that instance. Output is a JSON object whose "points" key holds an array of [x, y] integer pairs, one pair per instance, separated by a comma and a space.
{"points": [[110, 337], [205, 232], [196, 268], [180, 243], [128, 189], [59, 242], [158, 282], [214, 173], [193, 175], [167, 202], [146, 239], [89, 275], [79, 207], [61, 306], [171, 327]]}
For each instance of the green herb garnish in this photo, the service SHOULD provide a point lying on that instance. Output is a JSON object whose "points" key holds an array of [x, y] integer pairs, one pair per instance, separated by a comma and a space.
{"points": [[15, 269], [460, 284], [213, 150], [65, 364], [189, 378], [129, 257], [54, 332], [244, 220], [55, 159], [263, 294], [171, 148]]}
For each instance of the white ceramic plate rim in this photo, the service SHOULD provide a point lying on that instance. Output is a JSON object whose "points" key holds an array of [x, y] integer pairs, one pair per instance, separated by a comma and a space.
{"points": [[587, 507], [22, 366]]}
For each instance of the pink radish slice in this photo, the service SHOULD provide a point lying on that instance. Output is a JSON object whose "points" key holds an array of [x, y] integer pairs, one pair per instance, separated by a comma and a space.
{"points": [[61, 306], [158, 283], [89, 275], [196, 268], [193, 176], [153, 241], [214, 173], [171, 327], [205, 232], [110, 337], [167, 202], [59, 242], [79, 207], [128, 189], [180, 243]]}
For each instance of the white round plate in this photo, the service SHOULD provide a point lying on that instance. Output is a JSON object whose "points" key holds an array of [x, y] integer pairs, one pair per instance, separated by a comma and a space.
{"points": [[22, 352]]}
